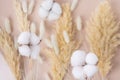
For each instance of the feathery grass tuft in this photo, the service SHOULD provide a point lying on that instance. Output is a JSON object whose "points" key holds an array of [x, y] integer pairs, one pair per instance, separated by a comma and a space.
{"points": [[60, 61], [21, 16], [103, 36], [10, 53]]}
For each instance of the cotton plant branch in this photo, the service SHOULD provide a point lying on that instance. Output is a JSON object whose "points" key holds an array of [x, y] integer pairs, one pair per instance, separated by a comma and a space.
{"points": [[63, 44], [10, 53], [103, 36]]}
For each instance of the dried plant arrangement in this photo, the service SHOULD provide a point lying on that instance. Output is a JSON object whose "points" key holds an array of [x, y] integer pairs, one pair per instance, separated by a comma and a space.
{"points": [[10, 53], [62, 44], [28, 33], [103, 36]]}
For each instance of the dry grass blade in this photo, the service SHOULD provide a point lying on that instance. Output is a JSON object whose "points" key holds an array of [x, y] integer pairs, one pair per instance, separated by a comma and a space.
{"points": [[103, 36], [10, 53], [60, 62], [21, 16]]}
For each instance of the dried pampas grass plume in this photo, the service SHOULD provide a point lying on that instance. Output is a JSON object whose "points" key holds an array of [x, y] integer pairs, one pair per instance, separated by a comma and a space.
{"points": [[60, 58], [21, 16], [103, 36], [10, 53]]}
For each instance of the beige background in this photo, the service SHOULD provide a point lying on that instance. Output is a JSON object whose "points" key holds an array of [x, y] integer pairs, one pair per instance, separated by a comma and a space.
{"points": [[84, 9]]}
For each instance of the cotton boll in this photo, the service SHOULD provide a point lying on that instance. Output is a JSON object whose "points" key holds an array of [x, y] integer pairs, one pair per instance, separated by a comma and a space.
{"points": [[53, 16], [78, 73], [56, 8], [90, 70], [24, 38], [78, 58], [47, 4], [24, 50], [35, 51], [43, 13], [34, 39], [91, 58]]}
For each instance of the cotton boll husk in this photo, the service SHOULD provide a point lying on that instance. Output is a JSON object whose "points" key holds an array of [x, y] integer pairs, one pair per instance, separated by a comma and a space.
{"points": [[7, 25], [24, 38], [43, 13], [78, 22], [47, 4], [90, 70], [30, 7], [66, 36], [78, 73], [33, 27], [35, 50], [78, 58], [34, 39], [57, 8], [54, 44], [74, 4], [24, 5], [52, 16], [42, 30], [24, 50], [91, 58]]}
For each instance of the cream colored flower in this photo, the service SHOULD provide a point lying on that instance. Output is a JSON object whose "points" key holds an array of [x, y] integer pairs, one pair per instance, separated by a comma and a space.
{"points": [[84, 66], [50, 10], [29, 45], [78, 73], [78, 58], [90, 70], [91, 58]]}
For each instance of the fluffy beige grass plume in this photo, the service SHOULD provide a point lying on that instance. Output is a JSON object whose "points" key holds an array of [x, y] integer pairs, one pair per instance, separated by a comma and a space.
{"points": [[21, 16], [103, 36], [10, 53], [60, 55]]}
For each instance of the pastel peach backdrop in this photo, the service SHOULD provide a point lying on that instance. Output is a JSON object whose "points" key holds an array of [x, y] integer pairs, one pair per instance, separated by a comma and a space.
{"points": [[84, 9]]}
